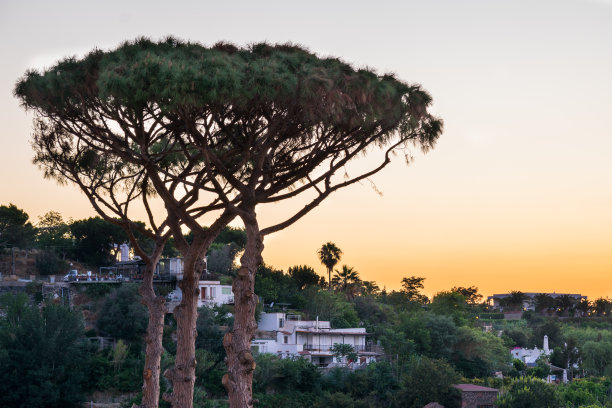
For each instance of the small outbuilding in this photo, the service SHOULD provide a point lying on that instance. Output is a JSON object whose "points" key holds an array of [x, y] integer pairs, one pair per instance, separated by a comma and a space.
{"points": [[476, 396]]}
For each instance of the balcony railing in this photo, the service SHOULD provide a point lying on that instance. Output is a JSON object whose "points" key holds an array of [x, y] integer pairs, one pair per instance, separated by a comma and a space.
{"points": [[327, 347]]}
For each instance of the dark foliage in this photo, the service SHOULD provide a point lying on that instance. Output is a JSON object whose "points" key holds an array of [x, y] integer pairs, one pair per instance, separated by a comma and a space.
{"points": [[41, 355], [122, 316], [15, 230]]}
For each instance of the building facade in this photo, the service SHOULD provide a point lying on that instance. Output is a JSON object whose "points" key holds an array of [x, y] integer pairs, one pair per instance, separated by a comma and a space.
{"points": [[288, 336], [475, 396]]}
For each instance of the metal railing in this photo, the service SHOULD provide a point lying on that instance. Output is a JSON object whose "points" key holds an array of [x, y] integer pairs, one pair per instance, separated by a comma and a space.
{"points": [[327, 347]]}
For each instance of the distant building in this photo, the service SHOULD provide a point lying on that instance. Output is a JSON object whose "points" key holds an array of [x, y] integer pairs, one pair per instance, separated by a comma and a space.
{"points": [[476, 396], [287, 335], [167, 269], [529, 302], [212, 293], [530, 356]]}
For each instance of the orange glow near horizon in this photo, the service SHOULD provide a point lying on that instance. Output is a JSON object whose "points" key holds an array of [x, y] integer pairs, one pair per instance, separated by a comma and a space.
{"points": [[517, 195]]}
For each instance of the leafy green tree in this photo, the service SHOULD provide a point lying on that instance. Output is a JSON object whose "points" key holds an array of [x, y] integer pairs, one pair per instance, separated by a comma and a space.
{"points": [[303, 276], [54, 234], [210, 336], [329, 255], [519, 365], [528, 392], [275, 286], [520, 336], [254, 120], [77, 140], [477, 354], [370, 288], [95, 240], [273, 374], [381, 383], [419, 333], [222, 252], [373, 314], [549, 327], [584, 392], [41, 355], [122, 315], [470, 294], [344, 352], [428, 380], [221, 257], [15, 229], [49, 263], [596, 357], [451, 304], [231, 235], [411, 287], [333, 307], [541, 370], [338, 400]]}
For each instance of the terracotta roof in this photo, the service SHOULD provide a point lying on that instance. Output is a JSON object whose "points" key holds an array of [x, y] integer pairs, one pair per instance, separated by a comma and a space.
{"points": [[473, 388], [285, 332]]}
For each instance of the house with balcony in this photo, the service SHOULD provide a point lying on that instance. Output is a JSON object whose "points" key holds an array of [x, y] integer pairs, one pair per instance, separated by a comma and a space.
{"points": [[212, 293], [288, 336]]}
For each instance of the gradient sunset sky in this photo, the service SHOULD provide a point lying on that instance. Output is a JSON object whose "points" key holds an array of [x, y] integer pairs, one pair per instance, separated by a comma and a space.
{"points": [[517, 195]]}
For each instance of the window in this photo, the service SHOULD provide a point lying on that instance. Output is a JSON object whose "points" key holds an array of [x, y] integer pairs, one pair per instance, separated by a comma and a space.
{"points": [[212, 292], [226, 291], [281, 322], [285, 339], [203, 292]]}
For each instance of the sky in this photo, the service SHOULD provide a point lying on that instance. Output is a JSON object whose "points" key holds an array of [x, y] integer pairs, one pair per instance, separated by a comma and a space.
{"points": [[517, 194]]}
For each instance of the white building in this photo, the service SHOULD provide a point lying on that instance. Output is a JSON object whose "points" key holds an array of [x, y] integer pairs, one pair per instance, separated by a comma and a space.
{"points": [[289, 336], [530, 356], [212, 293]]}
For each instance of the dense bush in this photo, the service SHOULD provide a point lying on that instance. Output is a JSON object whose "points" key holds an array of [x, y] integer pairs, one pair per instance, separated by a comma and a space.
{"points": [[41, 355], [122, 316]]}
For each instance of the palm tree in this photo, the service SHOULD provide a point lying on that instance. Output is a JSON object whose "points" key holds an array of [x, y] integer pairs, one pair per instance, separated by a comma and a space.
{"points": [[601, 306], [565, 303], [330, 255], [543, 302], [514, 301], [347, 280], [584, 306]]}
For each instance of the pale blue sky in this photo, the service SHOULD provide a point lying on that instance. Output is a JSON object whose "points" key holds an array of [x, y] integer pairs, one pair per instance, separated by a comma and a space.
{"points": [[521, 181]]}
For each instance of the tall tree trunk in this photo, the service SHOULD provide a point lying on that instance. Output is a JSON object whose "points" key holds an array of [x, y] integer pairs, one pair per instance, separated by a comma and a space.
{"points": [[153, 339], [182, 375], [240, 362]]}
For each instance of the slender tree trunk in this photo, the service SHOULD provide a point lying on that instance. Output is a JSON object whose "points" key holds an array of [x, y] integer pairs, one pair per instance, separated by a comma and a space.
{"points": [[153, 339], [240, 362], [182, 375]]}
